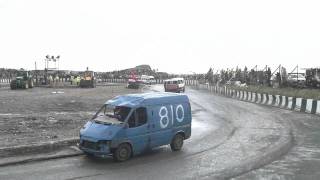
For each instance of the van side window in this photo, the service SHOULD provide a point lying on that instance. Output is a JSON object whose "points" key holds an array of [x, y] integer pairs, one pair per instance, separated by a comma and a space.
{"points": [[141, 116], [138, 117], [132, 120]]}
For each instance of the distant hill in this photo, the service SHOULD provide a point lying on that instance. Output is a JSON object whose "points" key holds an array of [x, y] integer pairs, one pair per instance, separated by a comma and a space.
{"points": [[143, 67], [139, 70]]}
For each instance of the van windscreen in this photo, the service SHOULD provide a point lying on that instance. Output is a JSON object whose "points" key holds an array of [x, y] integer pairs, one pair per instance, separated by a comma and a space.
{"points": [[112, 115]]}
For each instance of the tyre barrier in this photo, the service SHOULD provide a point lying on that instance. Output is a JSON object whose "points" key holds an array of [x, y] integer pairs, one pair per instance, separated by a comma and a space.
{"points": [[310, 106]]}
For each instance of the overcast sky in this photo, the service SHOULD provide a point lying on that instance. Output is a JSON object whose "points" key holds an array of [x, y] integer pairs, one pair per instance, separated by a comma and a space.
{"points": [[173, 36]]}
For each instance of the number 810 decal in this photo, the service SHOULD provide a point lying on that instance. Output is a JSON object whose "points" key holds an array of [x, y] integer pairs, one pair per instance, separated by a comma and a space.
{"points": [[164, 116]]}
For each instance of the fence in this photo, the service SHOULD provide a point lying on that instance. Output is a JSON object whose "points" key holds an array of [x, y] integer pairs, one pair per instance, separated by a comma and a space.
{"points": [[65, 81]]}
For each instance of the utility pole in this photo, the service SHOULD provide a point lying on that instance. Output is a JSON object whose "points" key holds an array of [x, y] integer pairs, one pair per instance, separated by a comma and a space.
{"points": [[297, 72]]}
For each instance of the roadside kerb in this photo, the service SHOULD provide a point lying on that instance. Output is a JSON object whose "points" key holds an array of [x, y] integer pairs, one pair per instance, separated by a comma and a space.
{"points": [[245, 95], [277, 101], [284, 101], [290, 101], [270, 99], [298, 104], [35, 148], [249, 96], [259, 98], [254, 97], [310, 106], [264, 99], [63, 153]]}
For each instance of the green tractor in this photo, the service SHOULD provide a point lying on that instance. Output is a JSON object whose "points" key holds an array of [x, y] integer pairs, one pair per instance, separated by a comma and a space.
{"points": [[22, 81]]}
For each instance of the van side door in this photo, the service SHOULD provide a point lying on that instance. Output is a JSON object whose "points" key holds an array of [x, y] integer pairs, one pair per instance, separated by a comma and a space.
{"points": [[167, 120], [161, 125], [138, 132]]}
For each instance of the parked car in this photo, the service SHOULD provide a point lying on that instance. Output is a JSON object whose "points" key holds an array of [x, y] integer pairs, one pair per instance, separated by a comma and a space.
{"points": [[296, 79], [134, 84], [313, 77], [130, 124], [145, 79], [234, 83]]}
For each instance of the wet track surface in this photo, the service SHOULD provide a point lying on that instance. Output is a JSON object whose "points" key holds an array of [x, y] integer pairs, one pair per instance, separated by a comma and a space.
{"points": [[303, 160], [225, 134]]}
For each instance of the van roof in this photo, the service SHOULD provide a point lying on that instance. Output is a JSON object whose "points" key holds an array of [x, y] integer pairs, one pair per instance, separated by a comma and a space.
{"points": [[155, 98]]}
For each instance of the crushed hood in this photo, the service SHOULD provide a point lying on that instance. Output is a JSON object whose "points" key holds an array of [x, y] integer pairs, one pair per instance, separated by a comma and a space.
{"points": [[94, 131]]}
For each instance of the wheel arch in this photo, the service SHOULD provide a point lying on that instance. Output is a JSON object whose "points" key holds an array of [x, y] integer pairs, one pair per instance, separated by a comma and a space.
{"points": [[123, 142], [180, 132]]}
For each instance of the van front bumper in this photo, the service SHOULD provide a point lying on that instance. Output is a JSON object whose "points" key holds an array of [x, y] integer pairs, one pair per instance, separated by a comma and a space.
{"points": [[95, 148], [174, 89]]}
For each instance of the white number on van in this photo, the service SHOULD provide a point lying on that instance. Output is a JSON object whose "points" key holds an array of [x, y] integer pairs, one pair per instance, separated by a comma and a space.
{"points": [[180, 119], [164, 118]]}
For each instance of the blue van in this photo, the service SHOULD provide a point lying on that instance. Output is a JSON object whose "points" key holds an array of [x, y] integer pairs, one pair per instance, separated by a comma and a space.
{"points": [[130, 124]]}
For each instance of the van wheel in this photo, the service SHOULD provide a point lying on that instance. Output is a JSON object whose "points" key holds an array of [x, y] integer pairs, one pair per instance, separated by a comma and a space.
{"points": [[177, 142], [13, 84], [89, 155], [31, 84], [122, 153]]}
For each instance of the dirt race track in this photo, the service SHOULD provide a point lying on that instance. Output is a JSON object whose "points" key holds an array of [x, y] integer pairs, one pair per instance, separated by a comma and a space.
{"points": [[230, 138], [44, 114]]}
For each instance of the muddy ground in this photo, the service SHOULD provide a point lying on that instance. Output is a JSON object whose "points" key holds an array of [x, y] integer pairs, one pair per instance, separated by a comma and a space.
{"points": [[46, 114]]}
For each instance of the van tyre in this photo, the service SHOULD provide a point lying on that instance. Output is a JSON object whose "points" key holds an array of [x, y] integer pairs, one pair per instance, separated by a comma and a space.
{"points": [[122, 153], [177, 142], [31, 84], [13, 85], [89, 155], [81, 84]]}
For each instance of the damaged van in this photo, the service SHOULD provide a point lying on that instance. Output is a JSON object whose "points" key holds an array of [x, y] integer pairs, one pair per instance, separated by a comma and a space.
{"points": [[130, 124], [174, 85]]}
